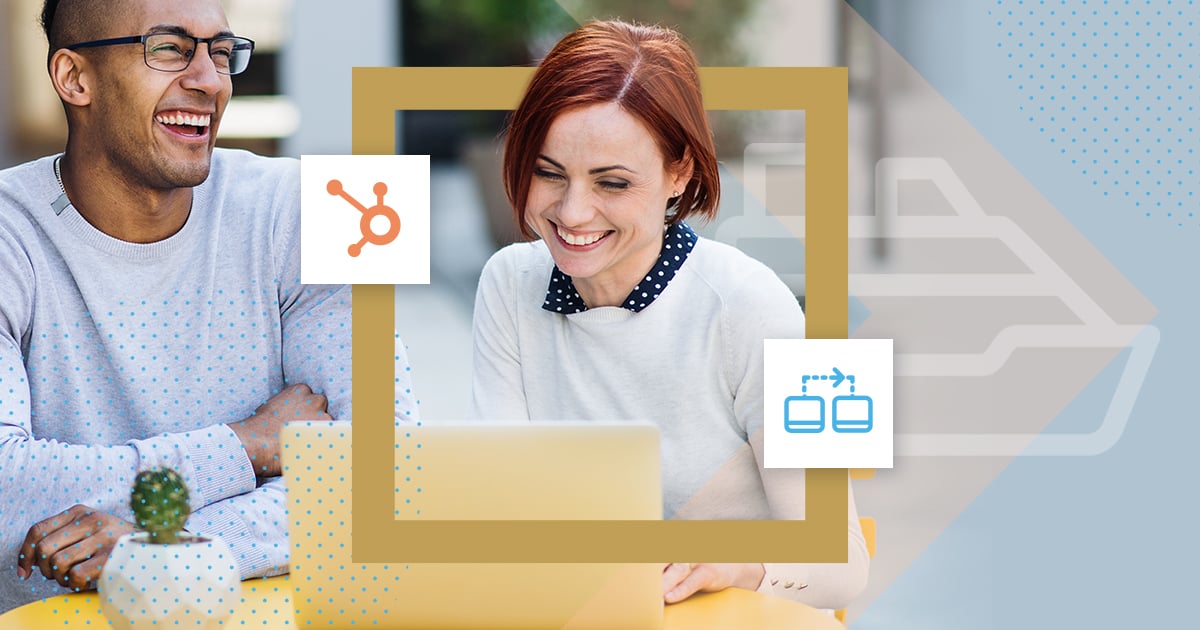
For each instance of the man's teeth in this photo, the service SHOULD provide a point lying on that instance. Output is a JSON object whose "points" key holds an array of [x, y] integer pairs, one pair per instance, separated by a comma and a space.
{"points": [[195, 120], [581, 240]]}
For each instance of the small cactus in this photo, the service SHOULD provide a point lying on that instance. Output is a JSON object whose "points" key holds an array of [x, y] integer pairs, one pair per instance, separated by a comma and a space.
{"points": [[160, 504]]}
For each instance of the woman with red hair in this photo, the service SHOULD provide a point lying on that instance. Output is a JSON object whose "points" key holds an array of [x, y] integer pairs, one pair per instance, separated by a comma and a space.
{"points": [[620, 311]]}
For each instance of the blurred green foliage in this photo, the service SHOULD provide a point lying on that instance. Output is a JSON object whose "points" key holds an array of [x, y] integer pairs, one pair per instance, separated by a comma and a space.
{"points": [[493, 32]]}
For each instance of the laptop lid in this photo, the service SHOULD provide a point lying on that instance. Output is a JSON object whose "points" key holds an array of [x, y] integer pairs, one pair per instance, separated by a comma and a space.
{"points": [[476, 471]]}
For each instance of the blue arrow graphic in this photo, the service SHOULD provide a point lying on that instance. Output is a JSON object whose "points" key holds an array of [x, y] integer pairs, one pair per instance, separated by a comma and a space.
{"points": [[837, 377], [838, 381]]}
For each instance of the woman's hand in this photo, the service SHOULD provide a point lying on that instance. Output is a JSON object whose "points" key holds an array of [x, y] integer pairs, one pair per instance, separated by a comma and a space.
{"points": [[682, 580]]}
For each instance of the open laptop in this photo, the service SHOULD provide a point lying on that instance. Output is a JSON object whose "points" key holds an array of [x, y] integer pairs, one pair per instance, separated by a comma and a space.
{"points": [[477, 471]]}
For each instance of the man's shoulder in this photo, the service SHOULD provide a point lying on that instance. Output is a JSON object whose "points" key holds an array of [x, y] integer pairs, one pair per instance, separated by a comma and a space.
{"points": [[234, 166], [28, 178], [25, 169], [21, 188], [241, 179]]}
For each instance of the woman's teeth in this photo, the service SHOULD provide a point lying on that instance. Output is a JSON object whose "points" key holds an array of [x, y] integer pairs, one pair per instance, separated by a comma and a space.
{"points": [[586, 239]]}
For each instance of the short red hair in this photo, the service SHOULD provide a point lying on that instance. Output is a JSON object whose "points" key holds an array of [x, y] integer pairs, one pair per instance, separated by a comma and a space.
{"points": [[651, 73]]}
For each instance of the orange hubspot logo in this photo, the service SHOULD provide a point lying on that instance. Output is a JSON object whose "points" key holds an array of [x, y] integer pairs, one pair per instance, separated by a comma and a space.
{"points": [[368, 214]]}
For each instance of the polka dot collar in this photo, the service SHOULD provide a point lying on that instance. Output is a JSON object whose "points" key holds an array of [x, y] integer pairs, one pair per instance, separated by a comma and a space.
{"points": [[678, 241]]}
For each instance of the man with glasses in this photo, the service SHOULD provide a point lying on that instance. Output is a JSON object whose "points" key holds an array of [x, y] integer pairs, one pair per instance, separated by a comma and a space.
{"points": [[150, 305]]}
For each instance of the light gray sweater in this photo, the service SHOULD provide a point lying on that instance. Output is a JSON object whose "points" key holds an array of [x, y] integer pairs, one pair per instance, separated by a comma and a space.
{"points": [[117, 356], [691, 362]]}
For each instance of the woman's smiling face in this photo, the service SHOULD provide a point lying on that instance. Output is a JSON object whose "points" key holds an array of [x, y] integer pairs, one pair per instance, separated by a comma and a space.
{"points": [[598, 198]]}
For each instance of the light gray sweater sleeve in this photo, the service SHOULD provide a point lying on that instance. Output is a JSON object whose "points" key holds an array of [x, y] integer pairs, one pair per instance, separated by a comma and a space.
{"points": [[255, 527], [36, 485]]}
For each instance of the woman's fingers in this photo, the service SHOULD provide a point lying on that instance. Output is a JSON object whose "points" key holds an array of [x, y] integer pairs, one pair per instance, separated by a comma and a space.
{"points": [[673, 574]]}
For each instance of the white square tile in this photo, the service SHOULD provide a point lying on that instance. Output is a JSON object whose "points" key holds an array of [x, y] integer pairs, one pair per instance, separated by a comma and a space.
{"points": [[364, 219], [827, 403]]}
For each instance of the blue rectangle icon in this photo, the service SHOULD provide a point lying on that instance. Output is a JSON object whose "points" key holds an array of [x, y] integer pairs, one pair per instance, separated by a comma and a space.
{"points": [[804, 414], [852, 414]]}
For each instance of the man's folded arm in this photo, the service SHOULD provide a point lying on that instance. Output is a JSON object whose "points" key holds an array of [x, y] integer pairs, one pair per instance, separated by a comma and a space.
{"points": [[42, 477]]}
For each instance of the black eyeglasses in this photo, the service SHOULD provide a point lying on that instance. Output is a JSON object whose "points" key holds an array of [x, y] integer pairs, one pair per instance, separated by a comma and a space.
{"points": [[173, 52]]}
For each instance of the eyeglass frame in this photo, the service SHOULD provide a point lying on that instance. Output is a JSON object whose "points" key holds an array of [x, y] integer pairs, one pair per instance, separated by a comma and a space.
{"points": [[141, 39]]}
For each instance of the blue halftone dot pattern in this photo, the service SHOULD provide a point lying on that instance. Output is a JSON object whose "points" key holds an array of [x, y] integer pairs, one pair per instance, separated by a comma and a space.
{"points": [[406, 487], [323, 570], [1112, 84]]}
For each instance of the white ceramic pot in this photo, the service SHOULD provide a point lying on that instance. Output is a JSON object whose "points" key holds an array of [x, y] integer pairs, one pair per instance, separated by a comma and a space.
{"points": [[190, 584]]}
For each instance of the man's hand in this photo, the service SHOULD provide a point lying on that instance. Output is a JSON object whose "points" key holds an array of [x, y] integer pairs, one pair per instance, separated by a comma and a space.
{"points": [[71, 548], [681, 580], [260, 433]]}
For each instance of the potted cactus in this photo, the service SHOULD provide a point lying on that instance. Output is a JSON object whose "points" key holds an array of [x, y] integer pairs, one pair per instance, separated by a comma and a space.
{"points": [[162, 575]]}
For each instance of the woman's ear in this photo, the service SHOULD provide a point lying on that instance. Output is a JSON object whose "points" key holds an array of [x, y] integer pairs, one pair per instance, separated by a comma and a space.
{"points": [[682, 171], [70, 74]]}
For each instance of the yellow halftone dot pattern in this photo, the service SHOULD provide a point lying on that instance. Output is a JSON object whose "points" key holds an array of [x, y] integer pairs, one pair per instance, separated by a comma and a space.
{"points": [[325, 580], [265, 603]]}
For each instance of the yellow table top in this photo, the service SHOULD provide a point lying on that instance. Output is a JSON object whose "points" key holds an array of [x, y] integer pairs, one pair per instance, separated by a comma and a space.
{"points": [[268, 604]]}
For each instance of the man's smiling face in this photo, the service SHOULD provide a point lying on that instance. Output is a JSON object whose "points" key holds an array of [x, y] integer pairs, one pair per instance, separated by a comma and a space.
{"points": [[157, 128]]}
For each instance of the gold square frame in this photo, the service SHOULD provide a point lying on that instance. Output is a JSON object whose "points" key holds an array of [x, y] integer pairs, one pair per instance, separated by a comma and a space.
{"points": [[379, 538]]}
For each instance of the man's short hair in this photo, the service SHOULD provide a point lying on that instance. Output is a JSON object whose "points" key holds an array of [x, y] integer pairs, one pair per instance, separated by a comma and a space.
{"points": [[48, 10], [66, 22]]}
